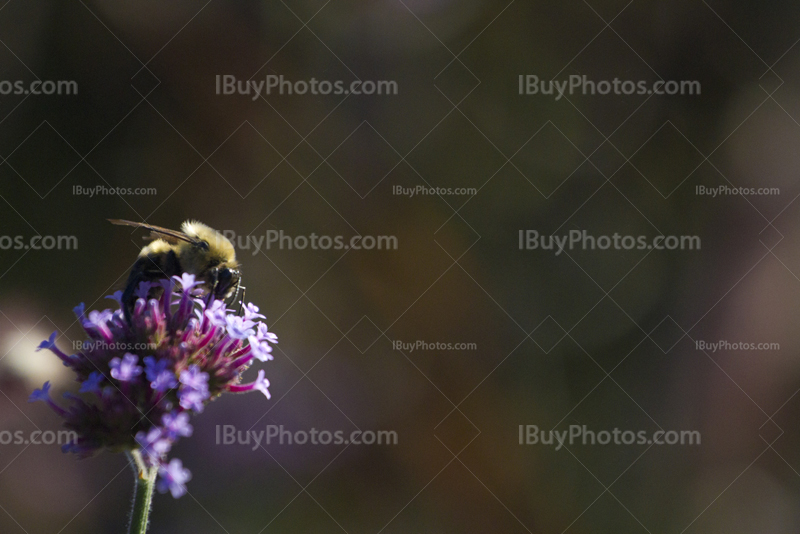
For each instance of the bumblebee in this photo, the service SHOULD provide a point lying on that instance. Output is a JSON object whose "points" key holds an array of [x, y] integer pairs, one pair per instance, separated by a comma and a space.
{"points": [[196, 249]]}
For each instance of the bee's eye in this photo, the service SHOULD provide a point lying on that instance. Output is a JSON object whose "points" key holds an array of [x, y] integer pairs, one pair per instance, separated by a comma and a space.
{"points": [[203, 245]]}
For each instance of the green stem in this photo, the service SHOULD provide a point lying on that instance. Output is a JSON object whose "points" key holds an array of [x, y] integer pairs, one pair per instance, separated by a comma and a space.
{"points": [[145, 479]]}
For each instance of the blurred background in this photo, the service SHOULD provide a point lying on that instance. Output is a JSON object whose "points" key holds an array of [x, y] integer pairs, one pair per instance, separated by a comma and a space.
{"points": [[607, 339]]}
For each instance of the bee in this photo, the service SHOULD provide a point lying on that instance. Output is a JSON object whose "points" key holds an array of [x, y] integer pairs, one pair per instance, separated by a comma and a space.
{"points": [[196, 249]]}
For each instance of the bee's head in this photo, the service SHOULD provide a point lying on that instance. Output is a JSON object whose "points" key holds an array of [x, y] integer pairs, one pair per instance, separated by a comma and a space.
{"points": [[213, 258], [213, 249]]}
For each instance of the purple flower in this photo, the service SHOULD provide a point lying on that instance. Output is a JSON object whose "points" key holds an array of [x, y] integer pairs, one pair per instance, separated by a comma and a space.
{"points": [[99, 318], [251, 312], [194, 390], [143, 290], [44, 396], [196, 350], [193, 399], [92, 384], [125, 369], [153, 367], [164, 382], [176, 424], [153, 443], [239, 328], [216, 313], [49, 344], [41, 394], [97, 325], [173, 477], [260, 350], [116, 296], [194, 378], [160, 377], [262, 384], [265, 335]]}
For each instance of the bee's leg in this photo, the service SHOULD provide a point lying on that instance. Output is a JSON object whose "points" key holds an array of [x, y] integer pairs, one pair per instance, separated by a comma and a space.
{"points": [[241, 302], [236, 295], [128, 295]]}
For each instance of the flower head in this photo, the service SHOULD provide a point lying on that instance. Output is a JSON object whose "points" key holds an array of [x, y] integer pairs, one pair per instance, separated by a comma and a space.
{"points": [[143, 378]]}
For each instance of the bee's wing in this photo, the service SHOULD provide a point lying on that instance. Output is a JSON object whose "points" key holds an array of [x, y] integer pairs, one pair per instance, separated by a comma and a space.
{"points": [[171, 236]]}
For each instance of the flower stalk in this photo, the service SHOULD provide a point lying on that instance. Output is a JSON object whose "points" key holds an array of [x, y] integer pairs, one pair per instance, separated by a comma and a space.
{"points": [[144, 486]]}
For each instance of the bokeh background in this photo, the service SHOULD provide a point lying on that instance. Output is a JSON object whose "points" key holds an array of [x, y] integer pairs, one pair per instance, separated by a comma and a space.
{"points": [[604, 339]]}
